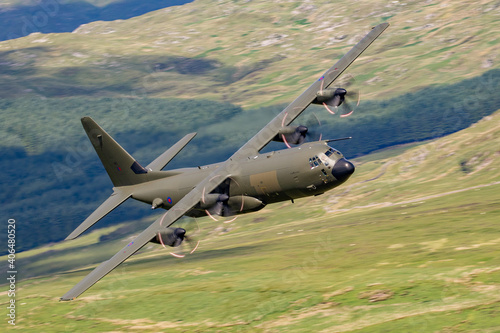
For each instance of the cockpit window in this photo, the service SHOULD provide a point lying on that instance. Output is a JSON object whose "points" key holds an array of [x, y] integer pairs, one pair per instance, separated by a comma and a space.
{"points": [[332, 151], [314, 162], [329, 152]]}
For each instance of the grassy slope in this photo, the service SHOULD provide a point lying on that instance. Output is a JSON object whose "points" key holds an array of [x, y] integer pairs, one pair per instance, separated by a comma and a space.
{"points": [[253, 46], [408, 244]]}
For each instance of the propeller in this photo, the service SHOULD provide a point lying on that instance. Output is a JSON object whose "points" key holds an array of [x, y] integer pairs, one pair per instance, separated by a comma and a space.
{"points": [[344, 98], [182, 238], [294, 135], [218, 203], [221, 207], [315, 127], [297, 135]]}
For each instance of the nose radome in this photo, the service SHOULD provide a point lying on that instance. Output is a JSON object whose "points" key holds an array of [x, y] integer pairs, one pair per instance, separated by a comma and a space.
{"points": [[342, 169]]}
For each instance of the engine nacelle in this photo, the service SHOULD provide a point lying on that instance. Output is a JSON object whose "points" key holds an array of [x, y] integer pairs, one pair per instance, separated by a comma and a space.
{"points": [[294, 135], [243, 203], [170, 236], [211, 199], [330, 96]]}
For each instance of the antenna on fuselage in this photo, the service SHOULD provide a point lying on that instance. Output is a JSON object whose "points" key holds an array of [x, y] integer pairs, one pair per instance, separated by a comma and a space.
{"points": [[340, 139]]}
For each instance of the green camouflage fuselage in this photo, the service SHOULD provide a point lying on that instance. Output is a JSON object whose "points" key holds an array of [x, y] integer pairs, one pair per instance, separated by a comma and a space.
{"points": [[271, 177]]}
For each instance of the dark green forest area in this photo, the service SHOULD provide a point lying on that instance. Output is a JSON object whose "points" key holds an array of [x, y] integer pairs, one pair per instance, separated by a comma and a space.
{"points": [[53, 179], [48, 16]]}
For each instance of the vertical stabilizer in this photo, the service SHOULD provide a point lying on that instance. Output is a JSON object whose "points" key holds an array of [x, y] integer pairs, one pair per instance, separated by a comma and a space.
{"points": [[121, 167]]}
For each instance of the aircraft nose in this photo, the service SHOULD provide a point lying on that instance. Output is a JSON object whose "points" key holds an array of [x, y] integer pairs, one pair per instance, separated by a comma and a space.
{"points": [[342, 169]]}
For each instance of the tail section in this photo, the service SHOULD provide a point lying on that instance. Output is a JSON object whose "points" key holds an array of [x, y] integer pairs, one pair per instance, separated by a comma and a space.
{"points": [[123, 170], [121, 167]]}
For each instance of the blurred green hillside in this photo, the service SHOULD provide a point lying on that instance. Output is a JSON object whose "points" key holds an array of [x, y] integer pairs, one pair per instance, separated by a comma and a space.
{"points": [[408, 244], [255, 53], [53, 164], [149, 80]]}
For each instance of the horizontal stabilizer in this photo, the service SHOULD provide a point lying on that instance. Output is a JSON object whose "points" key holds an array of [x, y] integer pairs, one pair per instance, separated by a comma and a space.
{"points": [[161, 161], [115, 200]]}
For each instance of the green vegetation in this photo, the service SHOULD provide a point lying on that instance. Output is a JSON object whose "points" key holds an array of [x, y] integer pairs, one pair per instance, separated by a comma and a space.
{"points": [[302, 22], [52, 164], [407, 244], [55, 165], [118, 58], [358, 259]]}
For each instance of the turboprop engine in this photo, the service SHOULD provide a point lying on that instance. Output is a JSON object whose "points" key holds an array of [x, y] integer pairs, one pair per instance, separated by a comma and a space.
{"points": [[294, 135], [170, 236], [224, 205]]}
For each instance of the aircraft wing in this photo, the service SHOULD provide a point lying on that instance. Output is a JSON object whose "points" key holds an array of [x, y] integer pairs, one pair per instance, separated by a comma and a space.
{"points": [[172, 215], [292, 111]]}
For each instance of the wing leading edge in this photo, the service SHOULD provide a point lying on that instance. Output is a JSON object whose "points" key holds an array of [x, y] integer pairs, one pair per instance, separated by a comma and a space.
{"points": [[292, 111], [253, 146]]}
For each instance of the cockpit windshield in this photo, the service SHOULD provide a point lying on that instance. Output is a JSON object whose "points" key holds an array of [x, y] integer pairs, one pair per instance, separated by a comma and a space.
{"points": [[332, 151], [325, 158]]}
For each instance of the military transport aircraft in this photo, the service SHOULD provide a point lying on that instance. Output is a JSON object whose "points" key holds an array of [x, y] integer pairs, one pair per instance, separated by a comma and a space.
{"points": [[244, 183]]}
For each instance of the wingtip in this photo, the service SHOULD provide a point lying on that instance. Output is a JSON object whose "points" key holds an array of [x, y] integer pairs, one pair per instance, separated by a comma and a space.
{"points": [[73, 235], [191, 136], [382, 25], [70, 237], [87, 123]]}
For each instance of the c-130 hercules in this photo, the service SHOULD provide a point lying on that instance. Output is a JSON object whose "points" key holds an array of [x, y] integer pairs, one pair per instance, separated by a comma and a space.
{"points": [[244, 183]]}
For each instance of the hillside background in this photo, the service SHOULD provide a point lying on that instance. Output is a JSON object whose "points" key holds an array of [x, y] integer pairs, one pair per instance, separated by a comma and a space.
{"points": [[224, 70], [19, 18], [408, 244]]}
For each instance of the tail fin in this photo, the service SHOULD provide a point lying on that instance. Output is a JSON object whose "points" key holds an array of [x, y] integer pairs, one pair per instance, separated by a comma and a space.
{"points": [[121, 167], [123, 170]]}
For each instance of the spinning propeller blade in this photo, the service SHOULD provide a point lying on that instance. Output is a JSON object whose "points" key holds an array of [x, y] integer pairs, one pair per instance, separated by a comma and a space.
{"points": [[186, 231], [345, 98]]}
